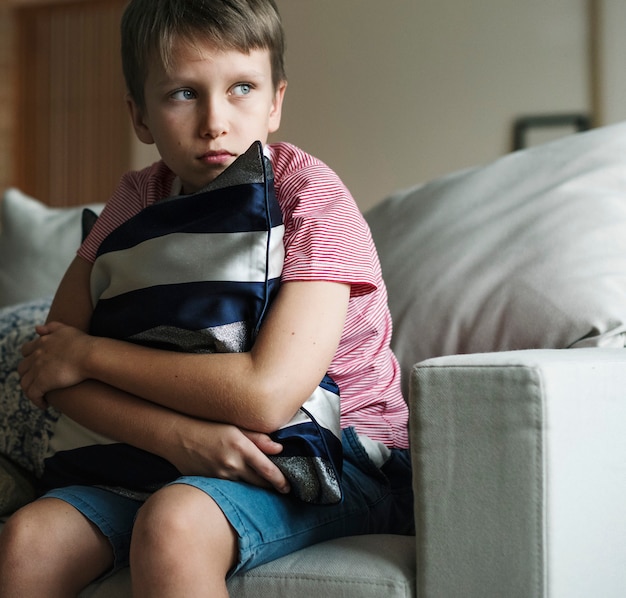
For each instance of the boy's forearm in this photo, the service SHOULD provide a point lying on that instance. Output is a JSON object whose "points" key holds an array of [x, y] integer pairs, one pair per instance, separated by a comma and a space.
{"points": [[260, 390], [212, 387], [193, 446], [118, 416]]}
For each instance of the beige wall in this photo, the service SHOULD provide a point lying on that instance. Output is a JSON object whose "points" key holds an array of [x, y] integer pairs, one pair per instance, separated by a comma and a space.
{"points": [[397, 92], [613, 55], [394, 93]]}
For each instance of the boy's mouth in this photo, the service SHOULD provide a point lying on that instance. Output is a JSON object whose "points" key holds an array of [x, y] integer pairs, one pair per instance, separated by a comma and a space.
{"points": [[216, 157]]}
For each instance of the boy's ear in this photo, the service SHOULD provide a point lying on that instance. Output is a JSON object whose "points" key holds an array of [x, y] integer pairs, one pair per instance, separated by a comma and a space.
{"points": [[277, 107], [137, 117]]}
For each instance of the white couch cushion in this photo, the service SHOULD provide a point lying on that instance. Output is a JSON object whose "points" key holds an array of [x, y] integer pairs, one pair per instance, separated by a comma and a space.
{"points": [[37, 244], [356, 567], [527, 252]]}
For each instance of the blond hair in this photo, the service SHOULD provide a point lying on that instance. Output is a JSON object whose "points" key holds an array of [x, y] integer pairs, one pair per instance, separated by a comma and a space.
{"points": [[153, 26]]}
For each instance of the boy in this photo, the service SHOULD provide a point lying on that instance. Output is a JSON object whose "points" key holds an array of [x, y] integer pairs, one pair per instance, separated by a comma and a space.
{"points": [[205, 81]]}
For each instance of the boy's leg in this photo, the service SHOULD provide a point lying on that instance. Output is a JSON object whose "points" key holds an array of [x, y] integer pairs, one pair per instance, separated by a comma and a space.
{"points": [[181, 535], [48, 548], [182, 545]]}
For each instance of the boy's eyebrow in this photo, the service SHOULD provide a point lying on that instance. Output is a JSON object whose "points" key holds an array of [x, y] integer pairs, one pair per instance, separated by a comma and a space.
{"points": [[252, 74], [166, 79]]}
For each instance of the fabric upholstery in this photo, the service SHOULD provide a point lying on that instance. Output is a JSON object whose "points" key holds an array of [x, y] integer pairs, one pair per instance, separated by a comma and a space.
{"points": [[25, 429], [357, 567], [520, 474], [527, 252], [37, 244]]}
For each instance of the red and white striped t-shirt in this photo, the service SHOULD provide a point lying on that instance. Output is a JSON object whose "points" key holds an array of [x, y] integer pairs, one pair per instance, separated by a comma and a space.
{"points": [[326, 238]]}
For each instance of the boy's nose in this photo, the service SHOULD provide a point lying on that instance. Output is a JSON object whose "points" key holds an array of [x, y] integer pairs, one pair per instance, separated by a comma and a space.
{"points": [[213, 121]]}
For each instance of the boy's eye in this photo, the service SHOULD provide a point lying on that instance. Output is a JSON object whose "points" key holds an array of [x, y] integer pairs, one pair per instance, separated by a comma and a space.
{"points": [[183, 94], [242, 89]]}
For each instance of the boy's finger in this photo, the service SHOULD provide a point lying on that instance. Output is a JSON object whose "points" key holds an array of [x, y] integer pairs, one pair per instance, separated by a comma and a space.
{"points": [[270, 472], [264, 442]]}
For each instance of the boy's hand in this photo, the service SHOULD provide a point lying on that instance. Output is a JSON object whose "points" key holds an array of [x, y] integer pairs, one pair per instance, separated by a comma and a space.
{"points": [[52, 361], [226, 452]]}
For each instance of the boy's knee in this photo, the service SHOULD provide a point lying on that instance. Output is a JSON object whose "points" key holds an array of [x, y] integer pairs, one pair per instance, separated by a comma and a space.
{"points": [[19, 548], [24, 533], [26, 541], [181, 534], [177, 515], [12, 539], [168, 515], [49, 544]]}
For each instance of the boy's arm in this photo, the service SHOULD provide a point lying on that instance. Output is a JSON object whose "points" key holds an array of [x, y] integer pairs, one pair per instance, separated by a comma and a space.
{"points": [[259, 390], [194, 446]]}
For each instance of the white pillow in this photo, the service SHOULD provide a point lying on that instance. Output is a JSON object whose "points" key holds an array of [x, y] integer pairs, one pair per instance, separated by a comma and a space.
{"points": [[37, 244], [528, 252]]}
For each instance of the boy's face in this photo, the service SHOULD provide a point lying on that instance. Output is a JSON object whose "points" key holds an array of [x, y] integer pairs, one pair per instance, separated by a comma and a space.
{"points": [[207, 108]]}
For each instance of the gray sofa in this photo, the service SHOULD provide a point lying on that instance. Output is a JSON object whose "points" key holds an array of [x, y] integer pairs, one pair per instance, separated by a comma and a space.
{"points": [[507, 284]]}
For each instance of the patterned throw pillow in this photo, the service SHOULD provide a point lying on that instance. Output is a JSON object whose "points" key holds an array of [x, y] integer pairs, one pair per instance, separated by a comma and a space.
{"points": [[25, 430]]}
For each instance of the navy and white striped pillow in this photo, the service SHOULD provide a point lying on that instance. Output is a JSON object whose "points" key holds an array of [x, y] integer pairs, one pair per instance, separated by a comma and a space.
{"points": [[196, 273]]}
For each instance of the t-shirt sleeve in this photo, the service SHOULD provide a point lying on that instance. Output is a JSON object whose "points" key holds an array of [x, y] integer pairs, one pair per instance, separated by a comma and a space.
{"points": [[326, 236], [136, 190]]}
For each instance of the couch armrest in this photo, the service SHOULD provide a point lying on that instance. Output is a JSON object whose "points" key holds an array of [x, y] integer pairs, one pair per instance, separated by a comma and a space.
{"points": [[520, 474]]}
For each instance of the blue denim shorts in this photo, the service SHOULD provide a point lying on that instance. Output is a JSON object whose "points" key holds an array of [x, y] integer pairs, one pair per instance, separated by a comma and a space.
{"points": [[269, 524]]}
